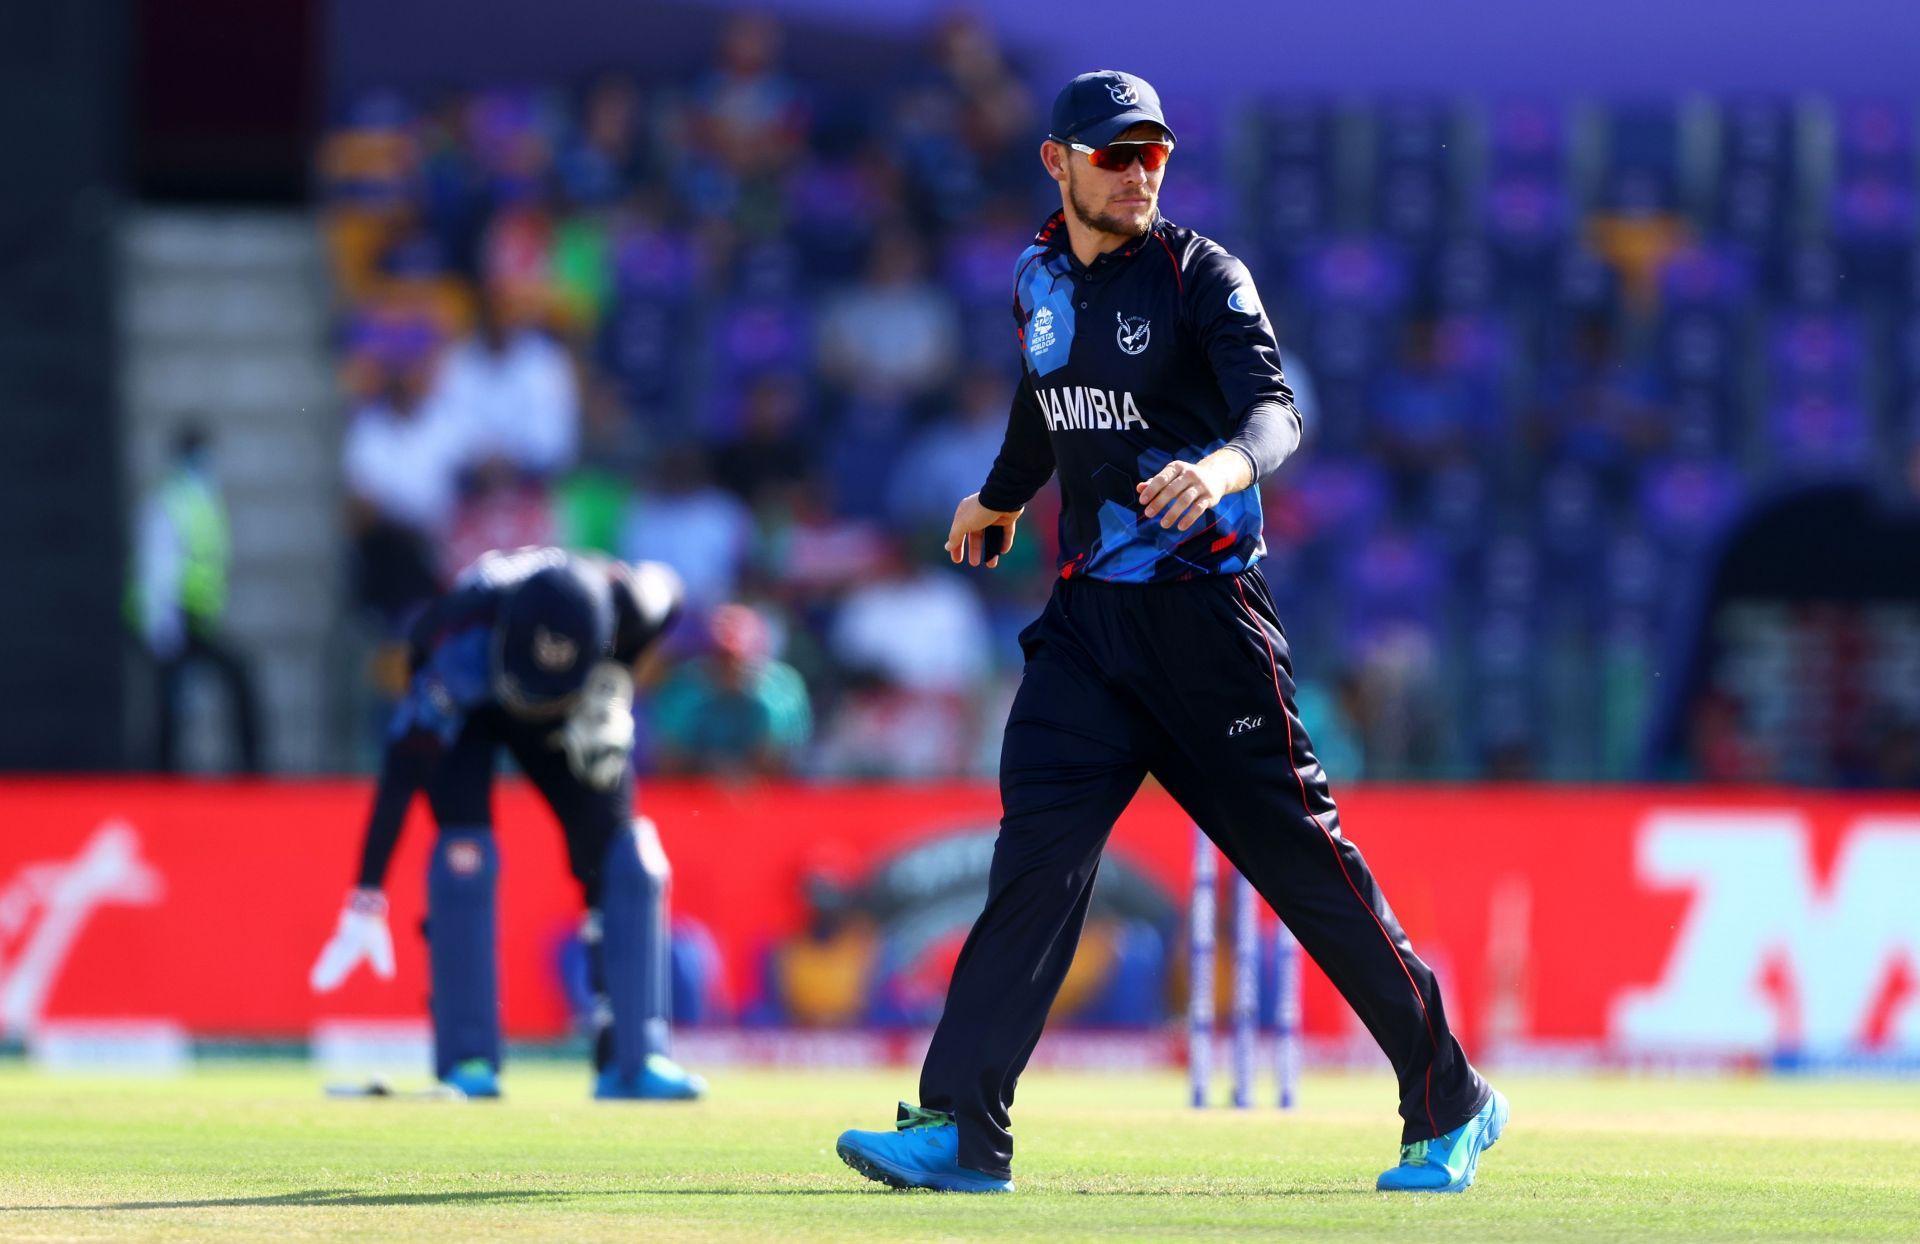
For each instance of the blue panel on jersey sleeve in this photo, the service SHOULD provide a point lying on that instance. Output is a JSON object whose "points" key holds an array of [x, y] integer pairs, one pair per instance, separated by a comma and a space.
{"points": [[1046, 300], [465, 664], [454, 681]]}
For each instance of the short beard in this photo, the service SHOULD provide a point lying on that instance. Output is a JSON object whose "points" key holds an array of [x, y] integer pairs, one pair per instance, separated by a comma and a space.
{"points": [[1099, 224]]}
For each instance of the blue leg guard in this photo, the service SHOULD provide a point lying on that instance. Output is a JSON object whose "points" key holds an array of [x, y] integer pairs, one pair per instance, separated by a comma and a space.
{"points": [[463, 951], [634, 948]]}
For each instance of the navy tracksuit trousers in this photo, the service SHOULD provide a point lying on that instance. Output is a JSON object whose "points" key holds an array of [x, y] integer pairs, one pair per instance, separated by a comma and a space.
{"points": [[1189, 681]]}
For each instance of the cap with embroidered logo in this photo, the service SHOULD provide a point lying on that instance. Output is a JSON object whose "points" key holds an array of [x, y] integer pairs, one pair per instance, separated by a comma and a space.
{"points": [[1096, 108]]}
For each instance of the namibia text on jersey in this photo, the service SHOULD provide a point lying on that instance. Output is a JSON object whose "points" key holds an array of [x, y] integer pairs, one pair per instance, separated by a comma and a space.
{"points": [[1078, 407]]}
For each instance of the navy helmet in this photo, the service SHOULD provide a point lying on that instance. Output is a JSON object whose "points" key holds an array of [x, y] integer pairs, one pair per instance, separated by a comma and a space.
{"points": [[552, 627]]}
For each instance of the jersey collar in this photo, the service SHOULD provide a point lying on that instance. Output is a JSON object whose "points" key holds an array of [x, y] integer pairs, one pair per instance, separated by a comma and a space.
{"points": [[1053, 236]]}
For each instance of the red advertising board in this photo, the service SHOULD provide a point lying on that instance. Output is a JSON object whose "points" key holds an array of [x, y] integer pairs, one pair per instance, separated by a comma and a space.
{"points": [[1630, 918]]}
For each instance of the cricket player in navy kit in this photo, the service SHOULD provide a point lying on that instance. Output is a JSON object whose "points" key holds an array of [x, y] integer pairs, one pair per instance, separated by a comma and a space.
{"points": [[1152, 387], [532, 650]]}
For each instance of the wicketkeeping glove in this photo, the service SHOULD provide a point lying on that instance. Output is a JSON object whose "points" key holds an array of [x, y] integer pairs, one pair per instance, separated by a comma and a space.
{"points": [[598, 737], [361, 935]]}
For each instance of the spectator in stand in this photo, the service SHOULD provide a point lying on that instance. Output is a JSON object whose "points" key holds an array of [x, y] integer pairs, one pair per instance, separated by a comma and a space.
{"points": [[499, 509], [1595, 406], [963, 121], [744, 126], [179, 594], [1722, 745], [1423, 417], [951, 455], [917, 644], [813, 550], [896, 334], [687, 521], [747, 110], [401, 463], [736, 710], [510, 390], [920, 627], [771, 452], [605, 158]]}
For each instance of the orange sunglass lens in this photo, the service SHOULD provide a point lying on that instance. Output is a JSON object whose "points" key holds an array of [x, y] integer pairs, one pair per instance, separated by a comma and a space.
{"points": [[1117, 156]]}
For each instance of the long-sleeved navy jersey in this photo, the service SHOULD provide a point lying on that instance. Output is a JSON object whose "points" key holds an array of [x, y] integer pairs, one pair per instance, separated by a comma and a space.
{"points": [[1156, 351]]}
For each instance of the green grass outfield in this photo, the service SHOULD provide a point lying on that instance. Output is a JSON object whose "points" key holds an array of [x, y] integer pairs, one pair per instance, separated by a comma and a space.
{"points": [[253, 1152]]}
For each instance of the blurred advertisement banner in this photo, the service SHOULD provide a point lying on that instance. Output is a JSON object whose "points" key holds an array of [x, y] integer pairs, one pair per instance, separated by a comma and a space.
{"points": [[1564, 922]]}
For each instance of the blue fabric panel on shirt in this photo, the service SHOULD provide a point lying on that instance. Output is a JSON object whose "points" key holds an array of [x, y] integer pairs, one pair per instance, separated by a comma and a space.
{"points": [[1045, 293]]}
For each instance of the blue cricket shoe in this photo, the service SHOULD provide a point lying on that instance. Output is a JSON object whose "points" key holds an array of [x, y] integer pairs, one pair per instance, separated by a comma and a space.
{"points": [[923, 1151], [660, 1079], [1447, 1163], [475, 1077]]}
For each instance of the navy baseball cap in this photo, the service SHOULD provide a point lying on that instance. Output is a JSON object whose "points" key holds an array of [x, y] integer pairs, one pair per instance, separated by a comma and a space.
{"points": [[1095, 108]]}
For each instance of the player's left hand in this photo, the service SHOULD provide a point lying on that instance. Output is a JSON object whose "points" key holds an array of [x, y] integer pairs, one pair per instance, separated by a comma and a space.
{"points": [[598, 737], [1180, 492], [361, 936]]}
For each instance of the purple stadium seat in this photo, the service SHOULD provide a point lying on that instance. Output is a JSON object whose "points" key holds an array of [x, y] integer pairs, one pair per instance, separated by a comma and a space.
{"points": [[1818, 432], [977, 269], [1572, 520], [1756, 152], [1874, 209], [1816, 350], [652, 261], [1684, 502], [1455, 507], [1525, 213], [1366, 274], [1412, 177], [1714, 276], [1527, 135], [1329, 497], [1298, 140], [1807, 275], [1395, 578], [762, 335], [506, 133], [1874, 133], [833, 209], [1464, 276]]}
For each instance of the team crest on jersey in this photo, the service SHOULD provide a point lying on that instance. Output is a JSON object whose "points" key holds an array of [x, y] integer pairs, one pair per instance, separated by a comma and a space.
{"points": [[1123, 93], [1133, 333], [553, 653], [464, 858]]}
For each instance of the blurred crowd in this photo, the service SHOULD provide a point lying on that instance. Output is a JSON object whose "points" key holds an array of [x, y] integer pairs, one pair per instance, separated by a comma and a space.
{"points": [[754, 323]]}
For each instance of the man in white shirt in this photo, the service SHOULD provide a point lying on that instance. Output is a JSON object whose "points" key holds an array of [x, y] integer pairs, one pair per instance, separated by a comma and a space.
{"points": [[512, 393], [401, 463]]}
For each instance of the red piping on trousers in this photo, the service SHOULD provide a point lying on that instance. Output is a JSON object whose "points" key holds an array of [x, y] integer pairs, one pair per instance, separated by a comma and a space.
{"points": [[1287, 717]]}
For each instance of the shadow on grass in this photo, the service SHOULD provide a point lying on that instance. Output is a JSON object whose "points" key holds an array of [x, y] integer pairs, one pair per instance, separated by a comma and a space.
{"points": [[327, 1197], [311, 1197], [336, 1197]]}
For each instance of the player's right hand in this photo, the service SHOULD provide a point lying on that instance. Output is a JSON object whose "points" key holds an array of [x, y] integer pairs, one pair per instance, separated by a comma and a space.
{"points": [[361, 935], [970, 520], [598, 735]]}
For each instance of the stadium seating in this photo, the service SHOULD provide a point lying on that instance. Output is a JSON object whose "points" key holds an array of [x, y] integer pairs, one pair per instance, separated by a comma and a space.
{"points": [[1554, 346]]}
